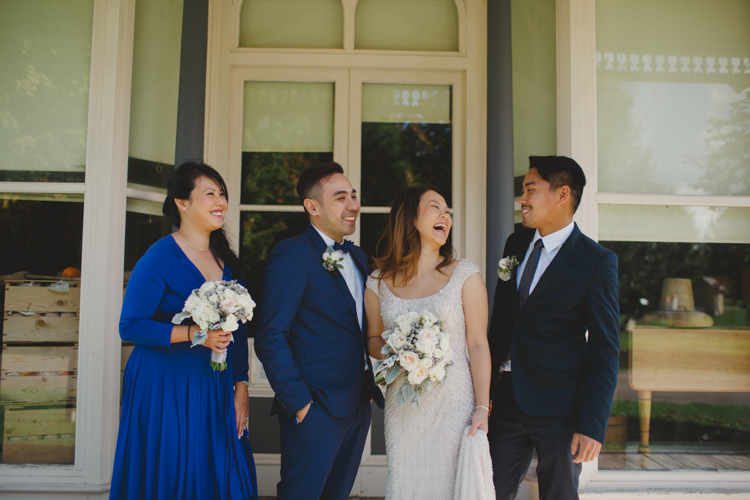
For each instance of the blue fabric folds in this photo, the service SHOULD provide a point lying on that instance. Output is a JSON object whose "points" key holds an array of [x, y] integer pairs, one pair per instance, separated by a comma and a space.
{"points": [[177, 436]]}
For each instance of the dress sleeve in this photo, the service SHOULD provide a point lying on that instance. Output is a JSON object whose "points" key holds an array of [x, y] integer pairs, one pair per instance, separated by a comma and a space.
{"points": [[372, 282], [465, 268], [145, 291]]}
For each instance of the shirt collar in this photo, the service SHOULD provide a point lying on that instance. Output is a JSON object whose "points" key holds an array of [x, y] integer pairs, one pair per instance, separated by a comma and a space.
{"points": [[554, 240], [326, 239]]}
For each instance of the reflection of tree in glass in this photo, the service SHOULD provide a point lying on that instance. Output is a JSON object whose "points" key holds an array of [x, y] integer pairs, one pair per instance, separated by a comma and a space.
{"points": [[260, 231], [44, 107], [398, 155], [624, 165], [644, 265], [727, 165], [271, 178]]}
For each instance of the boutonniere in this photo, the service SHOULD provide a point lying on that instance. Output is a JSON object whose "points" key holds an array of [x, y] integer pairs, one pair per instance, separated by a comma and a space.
{"points": [[506, 265], [333, 259]]}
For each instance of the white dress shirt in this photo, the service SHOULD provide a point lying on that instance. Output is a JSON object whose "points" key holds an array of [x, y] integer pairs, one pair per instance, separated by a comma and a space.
{"points": [[351, 275], [552, 244]]}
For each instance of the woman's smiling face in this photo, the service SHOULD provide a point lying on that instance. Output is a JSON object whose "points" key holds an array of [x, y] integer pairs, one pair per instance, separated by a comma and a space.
{"points": [[434, 221], [207, 205]]}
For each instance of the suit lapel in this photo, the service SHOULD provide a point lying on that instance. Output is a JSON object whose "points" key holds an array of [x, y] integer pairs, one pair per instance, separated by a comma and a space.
{"points": [[336, 275], [560, 262], [520, 254]]}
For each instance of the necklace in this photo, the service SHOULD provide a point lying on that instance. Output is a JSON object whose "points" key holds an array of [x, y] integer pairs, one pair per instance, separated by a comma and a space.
{"points": [[204, 251]]}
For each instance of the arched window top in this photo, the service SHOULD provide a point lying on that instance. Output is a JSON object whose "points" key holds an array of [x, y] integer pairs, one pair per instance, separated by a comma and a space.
{"points": [[424, 25], [296, 24]]}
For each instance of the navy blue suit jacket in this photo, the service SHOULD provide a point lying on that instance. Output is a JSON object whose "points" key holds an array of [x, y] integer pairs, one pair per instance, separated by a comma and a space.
{"points": [[556, 372], [308, 337]]}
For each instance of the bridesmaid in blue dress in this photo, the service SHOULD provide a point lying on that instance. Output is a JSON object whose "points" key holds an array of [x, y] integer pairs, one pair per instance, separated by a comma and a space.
{"points": [[183, 428]]}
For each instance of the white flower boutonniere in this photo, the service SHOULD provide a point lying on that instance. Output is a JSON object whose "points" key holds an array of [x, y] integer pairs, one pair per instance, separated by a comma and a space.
{"points": [[506, 265], [333, 259]]}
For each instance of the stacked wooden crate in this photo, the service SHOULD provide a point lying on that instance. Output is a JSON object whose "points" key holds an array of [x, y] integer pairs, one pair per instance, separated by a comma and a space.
{"points": [[39, 372]]}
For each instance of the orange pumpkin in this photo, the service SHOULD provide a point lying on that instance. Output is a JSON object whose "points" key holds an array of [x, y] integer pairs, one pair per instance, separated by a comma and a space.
{"points": [[71, 272]]}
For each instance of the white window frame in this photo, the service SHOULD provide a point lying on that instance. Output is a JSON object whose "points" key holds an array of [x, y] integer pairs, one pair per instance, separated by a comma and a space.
{"points": [[576, 137], [104, 190]]}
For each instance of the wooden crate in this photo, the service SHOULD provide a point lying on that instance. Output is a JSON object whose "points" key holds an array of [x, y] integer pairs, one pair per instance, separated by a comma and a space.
{"points": [[40, 329], [38, 373], [40, 299], [39, 435]]}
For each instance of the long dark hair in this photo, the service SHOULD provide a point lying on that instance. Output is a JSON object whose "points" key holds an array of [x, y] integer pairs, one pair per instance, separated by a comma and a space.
{"points": [[180, 185], [403, 245]]}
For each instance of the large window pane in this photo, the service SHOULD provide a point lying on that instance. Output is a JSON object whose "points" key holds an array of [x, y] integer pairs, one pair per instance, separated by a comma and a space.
{"points": [[682, 399], [534, 82], [287, 127], [153, 98], [40, 261], [45, 59], [406, 25], [407, 140], [294, 24], [672, 96]]}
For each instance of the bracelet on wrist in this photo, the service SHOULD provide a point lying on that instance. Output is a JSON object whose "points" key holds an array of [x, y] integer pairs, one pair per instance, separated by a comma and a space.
{"points": [[482, 406]]}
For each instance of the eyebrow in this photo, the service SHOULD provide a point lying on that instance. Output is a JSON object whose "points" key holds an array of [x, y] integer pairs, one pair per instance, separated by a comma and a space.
{"points": [[354, 191], [530, 183]]}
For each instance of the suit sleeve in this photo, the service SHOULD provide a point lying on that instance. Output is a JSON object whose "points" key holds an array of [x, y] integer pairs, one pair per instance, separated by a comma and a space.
{"points": [[284, 283], [146, 288], [602, 364]]}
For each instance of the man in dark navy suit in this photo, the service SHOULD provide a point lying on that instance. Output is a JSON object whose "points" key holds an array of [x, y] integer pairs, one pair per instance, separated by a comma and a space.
{"points": [[553, 338], [310, 340]]}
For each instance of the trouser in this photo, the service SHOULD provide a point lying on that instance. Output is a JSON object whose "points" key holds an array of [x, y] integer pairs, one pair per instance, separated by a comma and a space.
{"points": [[320, 456], [515, 435]]}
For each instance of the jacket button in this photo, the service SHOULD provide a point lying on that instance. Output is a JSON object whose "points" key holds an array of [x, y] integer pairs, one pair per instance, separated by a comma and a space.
{"points": [[516, 322]]}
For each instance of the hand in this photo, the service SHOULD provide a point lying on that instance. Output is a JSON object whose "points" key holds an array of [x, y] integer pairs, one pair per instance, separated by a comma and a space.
{"points": [[479, 421], [301, 414], [218, 340], [241, 407], [589, 448]]}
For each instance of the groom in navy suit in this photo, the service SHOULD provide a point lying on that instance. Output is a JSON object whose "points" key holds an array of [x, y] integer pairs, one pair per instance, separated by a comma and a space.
{"points": [[553, 338], [310, 340]]}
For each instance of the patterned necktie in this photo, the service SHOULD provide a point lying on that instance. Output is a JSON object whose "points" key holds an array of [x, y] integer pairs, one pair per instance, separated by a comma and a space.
{"points": [[343, 248], [528, 273]]}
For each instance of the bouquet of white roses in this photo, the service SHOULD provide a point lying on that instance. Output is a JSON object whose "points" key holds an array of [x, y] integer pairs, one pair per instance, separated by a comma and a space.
{"points": [[418, 346], [217, 305]]}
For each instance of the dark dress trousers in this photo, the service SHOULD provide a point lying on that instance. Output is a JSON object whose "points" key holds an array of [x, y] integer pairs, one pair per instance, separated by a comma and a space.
{"points": [[560, 383], [312, 347]]}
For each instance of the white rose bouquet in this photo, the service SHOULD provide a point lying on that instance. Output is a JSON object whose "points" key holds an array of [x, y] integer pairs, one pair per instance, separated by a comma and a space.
{"points": [[418, 347], [217, 305]]}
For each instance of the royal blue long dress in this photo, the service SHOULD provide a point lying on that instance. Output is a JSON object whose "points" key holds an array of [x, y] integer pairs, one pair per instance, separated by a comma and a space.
{"points": [[177, 437]]}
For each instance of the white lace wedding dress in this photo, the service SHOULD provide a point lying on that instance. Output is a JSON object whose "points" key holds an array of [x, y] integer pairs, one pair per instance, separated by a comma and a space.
{"points": [[422, 444]]}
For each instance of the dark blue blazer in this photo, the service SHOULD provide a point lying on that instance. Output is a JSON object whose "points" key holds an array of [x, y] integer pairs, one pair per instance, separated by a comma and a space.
{"points": [[556, 372], [308, 337]]}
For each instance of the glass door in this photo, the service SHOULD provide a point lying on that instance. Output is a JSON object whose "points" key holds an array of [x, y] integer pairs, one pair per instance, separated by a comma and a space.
{"points": [[388, 130]]}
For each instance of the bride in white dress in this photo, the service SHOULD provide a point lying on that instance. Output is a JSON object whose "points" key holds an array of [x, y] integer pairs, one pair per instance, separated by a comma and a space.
{"points": [[416, 272]]}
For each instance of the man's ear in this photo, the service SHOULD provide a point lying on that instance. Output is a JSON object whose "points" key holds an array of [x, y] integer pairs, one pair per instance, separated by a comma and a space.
{"points": [[563, 195], [311, 206]]}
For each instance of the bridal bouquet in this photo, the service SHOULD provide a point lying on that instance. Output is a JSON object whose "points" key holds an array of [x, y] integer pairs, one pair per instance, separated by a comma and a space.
{"points": [[217, 305], [419, 347]]}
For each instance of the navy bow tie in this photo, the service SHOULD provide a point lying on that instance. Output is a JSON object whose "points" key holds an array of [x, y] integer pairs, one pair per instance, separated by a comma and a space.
{"points": [[345, 247]]}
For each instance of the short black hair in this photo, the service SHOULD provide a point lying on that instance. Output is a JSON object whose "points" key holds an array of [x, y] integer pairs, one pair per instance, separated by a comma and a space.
{"points": [[311, 179], [561, 171]]}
